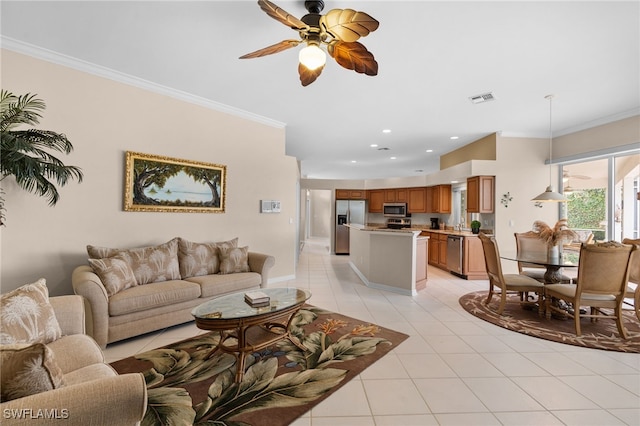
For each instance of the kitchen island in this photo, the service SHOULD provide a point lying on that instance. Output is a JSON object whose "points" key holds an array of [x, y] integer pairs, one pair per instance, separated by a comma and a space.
{"points": [[389, 259]]}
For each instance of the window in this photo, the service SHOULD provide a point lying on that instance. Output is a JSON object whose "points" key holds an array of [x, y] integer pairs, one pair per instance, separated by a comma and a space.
{"points": [[603, 196], [626, 218]]}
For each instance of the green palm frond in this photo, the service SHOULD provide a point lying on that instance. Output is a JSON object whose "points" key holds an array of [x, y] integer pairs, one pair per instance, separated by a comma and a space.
{"points": [[17, 110], [26, 154]]}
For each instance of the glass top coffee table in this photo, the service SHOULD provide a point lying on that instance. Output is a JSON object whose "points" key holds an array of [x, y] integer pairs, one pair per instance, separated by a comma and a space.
{"points": [[252, 328]]}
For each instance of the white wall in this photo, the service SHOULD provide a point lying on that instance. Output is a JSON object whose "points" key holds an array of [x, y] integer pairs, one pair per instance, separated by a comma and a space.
{"points": [[104, 119]]}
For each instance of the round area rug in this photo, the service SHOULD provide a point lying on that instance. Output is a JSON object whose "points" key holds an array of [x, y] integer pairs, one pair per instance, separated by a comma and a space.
{"points": [[602, 334]]}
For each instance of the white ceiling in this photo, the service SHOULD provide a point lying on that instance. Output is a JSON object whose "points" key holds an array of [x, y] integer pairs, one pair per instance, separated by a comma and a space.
{"points": [[432, 57]]}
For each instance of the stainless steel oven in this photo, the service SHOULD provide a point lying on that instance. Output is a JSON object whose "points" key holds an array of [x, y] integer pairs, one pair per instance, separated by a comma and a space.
{"points": [[394, 209]]}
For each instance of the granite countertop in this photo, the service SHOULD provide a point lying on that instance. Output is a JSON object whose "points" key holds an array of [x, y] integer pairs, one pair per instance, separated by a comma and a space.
{"points": [[383, 228], [425, 228]]}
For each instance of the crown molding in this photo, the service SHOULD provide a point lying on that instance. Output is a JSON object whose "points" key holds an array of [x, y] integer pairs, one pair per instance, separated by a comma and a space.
{"points": [[598, 122], [104, 72]]}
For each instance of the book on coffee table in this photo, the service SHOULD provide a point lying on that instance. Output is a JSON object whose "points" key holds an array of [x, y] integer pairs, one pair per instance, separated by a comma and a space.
{"points": [[256, 298]]}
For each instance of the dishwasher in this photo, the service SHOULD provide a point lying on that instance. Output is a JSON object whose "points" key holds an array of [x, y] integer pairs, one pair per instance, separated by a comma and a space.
{"points": [[454, 254]]}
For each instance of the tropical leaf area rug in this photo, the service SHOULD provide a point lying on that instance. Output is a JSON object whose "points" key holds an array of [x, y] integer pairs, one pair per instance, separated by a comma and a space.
{"points": [[602, 334], [188, 386]]}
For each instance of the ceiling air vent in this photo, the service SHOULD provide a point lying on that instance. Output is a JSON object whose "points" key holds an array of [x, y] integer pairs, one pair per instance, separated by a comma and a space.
{"points": [[383, 149], [485, 97]]}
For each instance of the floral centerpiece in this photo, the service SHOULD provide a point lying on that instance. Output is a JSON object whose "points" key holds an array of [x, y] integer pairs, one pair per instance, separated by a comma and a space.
{"points": [[556, 236]]}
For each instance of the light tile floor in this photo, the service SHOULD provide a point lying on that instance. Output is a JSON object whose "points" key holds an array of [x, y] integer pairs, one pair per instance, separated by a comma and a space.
{"points": [[454, 369]]}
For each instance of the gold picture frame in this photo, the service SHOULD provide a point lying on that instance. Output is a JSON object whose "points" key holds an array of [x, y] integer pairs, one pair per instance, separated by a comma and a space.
{"points": [[154, 183]]}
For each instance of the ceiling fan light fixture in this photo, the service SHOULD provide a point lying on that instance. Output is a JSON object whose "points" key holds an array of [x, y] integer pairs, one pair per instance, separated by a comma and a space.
{"points": [[312, 57]]}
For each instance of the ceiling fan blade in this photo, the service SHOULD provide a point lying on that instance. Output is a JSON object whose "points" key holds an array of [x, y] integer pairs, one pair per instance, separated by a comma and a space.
{"points": [[308, 76], [274, 48], [353, 56], [281, 15], [568, 175], [347, 24]]}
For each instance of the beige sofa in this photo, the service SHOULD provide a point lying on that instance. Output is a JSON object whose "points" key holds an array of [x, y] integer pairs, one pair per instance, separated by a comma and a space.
{"points": [[135, 291], [90, 392]]}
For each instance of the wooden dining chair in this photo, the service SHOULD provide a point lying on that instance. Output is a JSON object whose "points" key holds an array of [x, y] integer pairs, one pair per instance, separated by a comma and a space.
{"points": [[527, 242], [634, 275], [521, 284], [603, 272]]}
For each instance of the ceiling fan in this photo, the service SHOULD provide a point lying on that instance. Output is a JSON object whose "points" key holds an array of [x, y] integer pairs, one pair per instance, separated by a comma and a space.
{"points": [[566, 176], [338, 30]]}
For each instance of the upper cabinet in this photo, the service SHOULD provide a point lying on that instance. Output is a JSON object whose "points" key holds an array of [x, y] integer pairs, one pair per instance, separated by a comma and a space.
{"points": [[351, 194], [402, 195], [389, 195], [416, 200], [480, 194], [395, 195], [376, 199], [439, 199]]}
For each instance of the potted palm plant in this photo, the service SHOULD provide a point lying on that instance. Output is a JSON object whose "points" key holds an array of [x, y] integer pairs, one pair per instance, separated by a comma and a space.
{"points": [[475, 226], [25, 154]]}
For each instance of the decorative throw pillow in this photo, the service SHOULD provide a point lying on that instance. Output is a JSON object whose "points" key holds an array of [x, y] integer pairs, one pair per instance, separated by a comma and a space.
{"points": [[26, 316], [149, 264], [197, 259], [27, 370], [228, 244], [234, 259], [115, 273]]}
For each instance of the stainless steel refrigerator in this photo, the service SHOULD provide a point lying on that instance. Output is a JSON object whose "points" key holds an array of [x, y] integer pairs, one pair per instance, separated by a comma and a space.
{"points": [[347, 212]]}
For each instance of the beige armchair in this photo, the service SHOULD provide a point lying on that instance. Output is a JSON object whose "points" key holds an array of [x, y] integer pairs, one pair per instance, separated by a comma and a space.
{"points": [[93, 393], [519, 283], [603, 274], [527, 242], [634, 275]]}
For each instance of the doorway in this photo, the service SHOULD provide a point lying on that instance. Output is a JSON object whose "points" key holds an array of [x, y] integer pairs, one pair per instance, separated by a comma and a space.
{"points": [[317, 216]]}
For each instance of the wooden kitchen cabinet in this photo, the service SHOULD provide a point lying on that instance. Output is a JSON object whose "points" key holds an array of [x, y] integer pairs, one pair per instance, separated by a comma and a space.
{"points": [[473, 266], [434, 248], [390, 195], [401, 195], [351, 194], [417, 200], [480, 194], [376, 199], [442, 251], [439, 199]]}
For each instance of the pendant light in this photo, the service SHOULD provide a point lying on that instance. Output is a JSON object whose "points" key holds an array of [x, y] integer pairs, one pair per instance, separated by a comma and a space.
{"points": [[549, 195]]}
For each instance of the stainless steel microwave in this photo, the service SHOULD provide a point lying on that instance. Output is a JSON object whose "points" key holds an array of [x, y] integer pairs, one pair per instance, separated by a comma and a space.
{"points": [[394, 209]]}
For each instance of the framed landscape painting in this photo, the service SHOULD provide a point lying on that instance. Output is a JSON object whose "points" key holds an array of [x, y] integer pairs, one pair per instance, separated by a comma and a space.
{"points": [[163, 184]]}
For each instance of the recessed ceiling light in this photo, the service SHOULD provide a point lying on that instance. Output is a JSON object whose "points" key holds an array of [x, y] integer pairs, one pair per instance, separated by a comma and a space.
{"points": [[353, 161], [374, 145], [454, 181], [453, 138], [386, 131], [429, 150], [392, 158]]}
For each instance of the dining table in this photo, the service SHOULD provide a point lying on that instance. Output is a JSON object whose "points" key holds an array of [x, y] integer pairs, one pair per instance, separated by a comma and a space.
{"points": [[554, 264]]}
